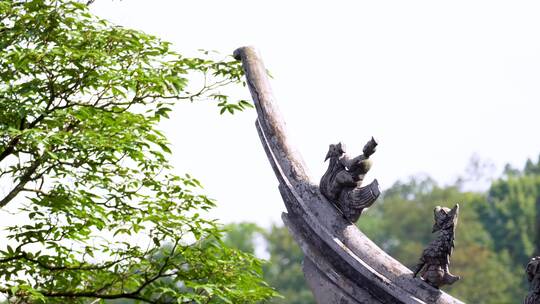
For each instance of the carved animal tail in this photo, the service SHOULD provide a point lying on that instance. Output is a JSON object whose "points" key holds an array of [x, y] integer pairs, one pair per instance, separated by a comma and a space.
{"points": [[365, 196], [356, 200]]}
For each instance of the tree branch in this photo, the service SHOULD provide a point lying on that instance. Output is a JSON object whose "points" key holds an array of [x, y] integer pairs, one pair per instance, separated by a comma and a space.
{"points": [[25, 178]]}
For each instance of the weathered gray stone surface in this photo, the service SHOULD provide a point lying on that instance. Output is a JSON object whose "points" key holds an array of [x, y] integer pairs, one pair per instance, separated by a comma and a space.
{"points": [[342, 265]]}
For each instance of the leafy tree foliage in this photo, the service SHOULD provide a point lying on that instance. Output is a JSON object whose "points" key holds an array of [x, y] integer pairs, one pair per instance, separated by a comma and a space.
{"points": [[102, 216], [511, 214], [242, 236], [283, 270]]}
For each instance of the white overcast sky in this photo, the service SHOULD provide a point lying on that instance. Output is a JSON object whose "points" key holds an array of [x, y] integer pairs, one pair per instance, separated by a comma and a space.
{"points": [[435, 82]]}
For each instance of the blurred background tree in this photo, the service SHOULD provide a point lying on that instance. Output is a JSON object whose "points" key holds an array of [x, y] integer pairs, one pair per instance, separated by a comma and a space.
{"points": [[510, 212], [497, 233], [283, 269]]}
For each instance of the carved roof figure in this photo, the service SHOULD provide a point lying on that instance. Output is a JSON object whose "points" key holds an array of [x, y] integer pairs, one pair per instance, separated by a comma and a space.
{"points": [[341, 184], [533, 275], [433, 265], [341, 264]]}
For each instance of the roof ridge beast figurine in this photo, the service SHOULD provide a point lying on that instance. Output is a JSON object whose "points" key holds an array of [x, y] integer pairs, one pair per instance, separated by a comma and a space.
{"points": [[533, 276], [341, 184], [433, 265]]}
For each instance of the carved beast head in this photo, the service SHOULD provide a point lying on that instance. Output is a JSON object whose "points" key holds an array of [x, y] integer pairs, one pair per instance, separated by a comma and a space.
{"points": [[370, 147], [445, 218], [335, 151], [533, 268]]}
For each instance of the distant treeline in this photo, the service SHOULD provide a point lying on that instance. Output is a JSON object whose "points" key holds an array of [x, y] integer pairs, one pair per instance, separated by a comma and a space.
{"points": [[497, 234]]}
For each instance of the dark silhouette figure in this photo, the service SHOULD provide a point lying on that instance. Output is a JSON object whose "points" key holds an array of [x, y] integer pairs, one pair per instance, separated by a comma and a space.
{"points": [[433, 265], [533, 275], [342, 182]]}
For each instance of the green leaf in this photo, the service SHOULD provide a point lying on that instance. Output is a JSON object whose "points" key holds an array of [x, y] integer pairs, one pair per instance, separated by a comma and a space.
{"points": [[104, 211]]}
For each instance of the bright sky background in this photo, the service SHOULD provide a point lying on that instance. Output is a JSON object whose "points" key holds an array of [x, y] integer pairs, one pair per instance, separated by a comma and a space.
{"points": [[435, 82]]}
